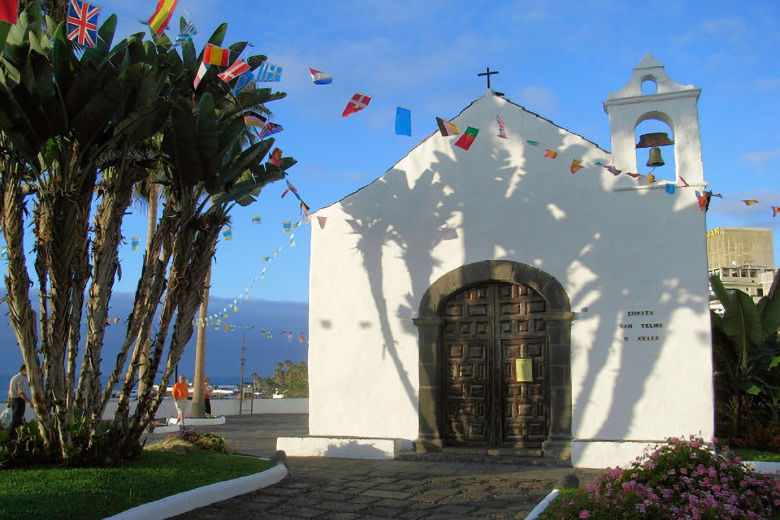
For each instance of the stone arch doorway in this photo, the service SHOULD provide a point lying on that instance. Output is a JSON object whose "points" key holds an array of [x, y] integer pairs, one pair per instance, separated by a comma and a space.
{"points": [[493, 367], [501, 283]]}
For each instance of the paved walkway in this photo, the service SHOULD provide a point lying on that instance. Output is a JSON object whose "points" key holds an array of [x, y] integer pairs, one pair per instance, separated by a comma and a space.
{"points": [[327, 488]]}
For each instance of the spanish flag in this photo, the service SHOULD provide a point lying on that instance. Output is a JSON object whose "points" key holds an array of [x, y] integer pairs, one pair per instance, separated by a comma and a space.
{"points": [[215, 55], [162, 14], [750, 202], [550, 154], [775, 210]]}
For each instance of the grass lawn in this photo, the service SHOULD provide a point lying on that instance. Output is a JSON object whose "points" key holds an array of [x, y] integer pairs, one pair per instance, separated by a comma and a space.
{"points": [[758, 455], [87, 493]]}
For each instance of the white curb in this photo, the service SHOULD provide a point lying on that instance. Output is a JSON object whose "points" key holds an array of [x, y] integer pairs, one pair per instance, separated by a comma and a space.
{"points": [[760, 466], [202, 496], [541, 506]]}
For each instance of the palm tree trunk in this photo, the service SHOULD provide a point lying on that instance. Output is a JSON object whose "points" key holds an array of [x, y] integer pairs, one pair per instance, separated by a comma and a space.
{"points": [[145, 339], [198, 407], [20, 311]]}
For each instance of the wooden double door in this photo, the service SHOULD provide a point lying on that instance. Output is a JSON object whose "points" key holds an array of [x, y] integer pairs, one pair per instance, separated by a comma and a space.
{"points": [[494, 391]]}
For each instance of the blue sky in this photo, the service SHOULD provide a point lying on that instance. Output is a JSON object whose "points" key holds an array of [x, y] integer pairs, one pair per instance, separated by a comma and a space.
{"points": [[559, 59]]}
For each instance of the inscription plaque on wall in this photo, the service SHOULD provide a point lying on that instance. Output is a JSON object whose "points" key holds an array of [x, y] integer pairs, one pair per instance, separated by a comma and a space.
{"points": [[641, 325]]}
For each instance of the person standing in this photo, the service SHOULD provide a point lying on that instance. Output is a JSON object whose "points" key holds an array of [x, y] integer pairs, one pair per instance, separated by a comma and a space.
{"points": [[180, 394], [207, 396], [18, 392]]}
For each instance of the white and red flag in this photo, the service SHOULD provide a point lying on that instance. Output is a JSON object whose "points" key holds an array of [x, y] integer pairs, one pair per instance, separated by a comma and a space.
{"points": [[356, 104], [235, 70]]}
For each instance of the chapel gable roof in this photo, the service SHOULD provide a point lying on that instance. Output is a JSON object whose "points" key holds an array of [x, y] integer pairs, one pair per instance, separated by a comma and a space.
{"points": [[488, 92]]}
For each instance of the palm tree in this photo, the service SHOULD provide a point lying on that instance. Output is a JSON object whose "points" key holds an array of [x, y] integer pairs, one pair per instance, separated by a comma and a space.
{"points": [[746, 353], [82, 129]]}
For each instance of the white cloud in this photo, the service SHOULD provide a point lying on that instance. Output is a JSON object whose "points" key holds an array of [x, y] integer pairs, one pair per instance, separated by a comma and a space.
{"points": [[761, 160], [766, 84], [538, 99]]}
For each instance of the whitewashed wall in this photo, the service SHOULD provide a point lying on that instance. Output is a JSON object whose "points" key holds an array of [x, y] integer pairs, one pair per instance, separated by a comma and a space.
{"points": [[615, 247]]}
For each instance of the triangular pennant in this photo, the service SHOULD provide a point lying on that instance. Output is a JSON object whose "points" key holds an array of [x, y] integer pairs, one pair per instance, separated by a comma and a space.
{"points": [[322, 221]]}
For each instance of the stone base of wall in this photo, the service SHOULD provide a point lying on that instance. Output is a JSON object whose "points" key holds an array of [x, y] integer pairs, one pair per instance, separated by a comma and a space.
{"points": [[342, 447]]}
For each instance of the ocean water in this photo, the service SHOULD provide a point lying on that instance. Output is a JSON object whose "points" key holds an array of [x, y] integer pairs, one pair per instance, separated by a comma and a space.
{"points": [[5, 381]]}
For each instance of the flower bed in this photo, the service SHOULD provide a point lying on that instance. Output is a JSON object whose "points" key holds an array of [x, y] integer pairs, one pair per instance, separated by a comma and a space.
{"points": [[682, 478]]}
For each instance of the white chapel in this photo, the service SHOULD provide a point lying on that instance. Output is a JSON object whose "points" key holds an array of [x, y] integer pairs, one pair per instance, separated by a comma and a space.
{"points": [[530, 295]]}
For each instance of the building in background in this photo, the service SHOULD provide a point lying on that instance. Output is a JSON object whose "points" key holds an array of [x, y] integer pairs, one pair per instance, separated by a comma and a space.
{"points": [[743, 258]]}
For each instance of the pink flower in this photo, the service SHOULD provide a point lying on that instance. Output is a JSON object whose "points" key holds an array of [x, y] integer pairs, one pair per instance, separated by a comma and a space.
{"points": [[584, 513]]}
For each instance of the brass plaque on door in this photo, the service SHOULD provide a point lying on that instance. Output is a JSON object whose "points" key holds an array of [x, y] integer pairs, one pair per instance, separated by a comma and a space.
{"points": [[524, 370]]}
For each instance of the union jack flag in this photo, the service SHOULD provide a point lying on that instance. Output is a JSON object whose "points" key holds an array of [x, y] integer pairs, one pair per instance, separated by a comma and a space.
{"points": [[82, 23]]}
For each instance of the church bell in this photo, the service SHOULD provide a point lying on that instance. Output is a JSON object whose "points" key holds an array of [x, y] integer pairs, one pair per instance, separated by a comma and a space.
{"points": [[655, 158]]}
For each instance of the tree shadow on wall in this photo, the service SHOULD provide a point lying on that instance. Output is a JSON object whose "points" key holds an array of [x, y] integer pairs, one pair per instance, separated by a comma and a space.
{"points": [[516, 208]]}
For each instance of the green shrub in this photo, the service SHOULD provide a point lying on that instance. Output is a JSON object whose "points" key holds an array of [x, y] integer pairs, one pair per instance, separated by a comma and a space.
{"points": [[204, 441]]}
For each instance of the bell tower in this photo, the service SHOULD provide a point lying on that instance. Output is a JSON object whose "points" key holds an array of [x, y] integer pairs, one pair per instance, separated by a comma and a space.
{"points": [[672, 103]]}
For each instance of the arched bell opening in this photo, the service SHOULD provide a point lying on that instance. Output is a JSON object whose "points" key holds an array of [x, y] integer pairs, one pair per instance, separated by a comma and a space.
{"points": [[654, 138], [649, 86]]}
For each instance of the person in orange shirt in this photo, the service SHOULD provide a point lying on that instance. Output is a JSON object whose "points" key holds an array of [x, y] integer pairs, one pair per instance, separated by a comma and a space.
{"points": [[180, 394]]}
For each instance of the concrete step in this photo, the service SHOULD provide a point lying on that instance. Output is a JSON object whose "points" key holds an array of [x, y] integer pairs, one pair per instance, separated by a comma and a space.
{"points": [[469, 455]]}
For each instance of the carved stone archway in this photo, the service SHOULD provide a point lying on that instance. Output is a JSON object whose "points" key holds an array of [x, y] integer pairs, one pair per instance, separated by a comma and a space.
{"points": [[558, 318]]}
